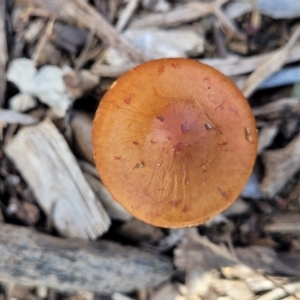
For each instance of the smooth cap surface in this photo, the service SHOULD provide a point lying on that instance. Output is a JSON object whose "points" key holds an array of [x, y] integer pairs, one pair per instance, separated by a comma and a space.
{"points": [[174, 142]]}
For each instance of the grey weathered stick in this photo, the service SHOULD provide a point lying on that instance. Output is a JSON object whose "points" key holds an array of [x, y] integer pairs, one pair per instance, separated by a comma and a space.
{"points": [[181, 14], [271, 65], [279, 9], [3, 51], [8, 116], [43, 157], [231, 66], [32, 258], [79, 11]]}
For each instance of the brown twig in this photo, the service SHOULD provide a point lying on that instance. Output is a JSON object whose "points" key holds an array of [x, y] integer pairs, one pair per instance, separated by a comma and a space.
{"points": [[271, 65], [81, 12], [43, 41]]}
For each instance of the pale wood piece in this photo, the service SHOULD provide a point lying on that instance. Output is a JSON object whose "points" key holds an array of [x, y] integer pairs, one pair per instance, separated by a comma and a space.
{"points": [[285, 223], [271, 65], [167, 291], [81, 125], [235, 289], [126, 14], [181, 14], [8, 116], [279, 9], [44, 159], [266, 137], [115, 210], [31, 258], [276, 109], [231, 66], [279, 292]]}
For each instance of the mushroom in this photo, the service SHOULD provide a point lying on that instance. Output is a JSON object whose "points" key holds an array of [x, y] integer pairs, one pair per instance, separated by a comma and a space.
{"points": [[174, 142]]}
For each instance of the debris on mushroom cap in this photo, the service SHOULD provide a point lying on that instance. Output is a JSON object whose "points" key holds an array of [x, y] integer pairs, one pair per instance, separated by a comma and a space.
{"points": [[174, 142]]}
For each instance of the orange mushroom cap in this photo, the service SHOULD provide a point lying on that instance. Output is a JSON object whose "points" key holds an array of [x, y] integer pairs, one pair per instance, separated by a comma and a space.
{"points": [[174, 142]]}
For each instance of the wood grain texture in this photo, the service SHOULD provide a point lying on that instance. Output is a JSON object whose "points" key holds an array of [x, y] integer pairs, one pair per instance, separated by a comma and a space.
{"points": [[46, 162], [31, 258]]}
